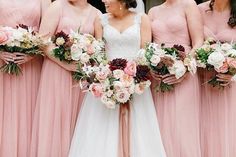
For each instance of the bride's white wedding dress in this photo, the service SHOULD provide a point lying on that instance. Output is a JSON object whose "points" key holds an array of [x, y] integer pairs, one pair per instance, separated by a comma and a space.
{"points": [[97, 128]]}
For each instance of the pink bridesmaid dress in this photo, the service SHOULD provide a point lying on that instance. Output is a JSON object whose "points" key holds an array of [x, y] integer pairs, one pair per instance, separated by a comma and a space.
{"points": [[18, 93], [177, 110], [59, 97], [218, 107]]}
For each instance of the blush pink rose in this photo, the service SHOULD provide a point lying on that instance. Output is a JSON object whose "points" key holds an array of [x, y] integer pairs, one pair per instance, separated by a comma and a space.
{"points": [[96, 89], [3, 36], [130, 68], [90, 50], [224, 68], [231, 62]]}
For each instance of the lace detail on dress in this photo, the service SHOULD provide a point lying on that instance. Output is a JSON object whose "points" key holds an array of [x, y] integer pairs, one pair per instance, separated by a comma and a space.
{"points": [[124, 44]]}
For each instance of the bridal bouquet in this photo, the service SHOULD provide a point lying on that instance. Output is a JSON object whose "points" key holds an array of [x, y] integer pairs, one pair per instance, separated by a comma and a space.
{"points": [[22, 40], [164, 61], [83, 49], [219, 58], [116, 82]]}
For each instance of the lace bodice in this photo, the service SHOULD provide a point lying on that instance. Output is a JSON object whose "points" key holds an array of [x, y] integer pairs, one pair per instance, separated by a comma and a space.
{"points": [[124, 44]]}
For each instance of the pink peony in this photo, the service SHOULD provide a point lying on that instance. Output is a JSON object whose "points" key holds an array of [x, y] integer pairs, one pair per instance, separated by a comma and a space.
{"points": [[130, 68], [96, 89], [3, 36]]}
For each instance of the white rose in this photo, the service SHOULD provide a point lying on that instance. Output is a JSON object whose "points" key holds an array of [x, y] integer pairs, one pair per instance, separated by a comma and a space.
{"points": [[226, 47], [108, 102], [75, 53], [60, 41], [155, 60], [122, 96], [118, 73], [216, 59], [84, 58], [178, 69], [118, 85]]}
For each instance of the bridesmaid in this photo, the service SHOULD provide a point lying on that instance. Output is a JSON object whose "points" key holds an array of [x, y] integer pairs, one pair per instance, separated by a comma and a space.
{"points": [[218, 109], [178, 110], [18, 93], [58, 99]]}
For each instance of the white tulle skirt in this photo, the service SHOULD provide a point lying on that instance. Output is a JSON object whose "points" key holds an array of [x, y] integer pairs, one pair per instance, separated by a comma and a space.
{"points": [[97, 129]]}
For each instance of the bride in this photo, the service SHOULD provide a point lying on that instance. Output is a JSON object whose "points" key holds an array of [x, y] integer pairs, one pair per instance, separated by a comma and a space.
{"points": [[97, 132]]}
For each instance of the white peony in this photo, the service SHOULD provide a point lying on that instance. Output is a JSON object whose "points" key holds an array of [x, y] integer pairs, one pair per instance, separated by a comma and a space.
{"points": [[155, 60], [216, 59]]}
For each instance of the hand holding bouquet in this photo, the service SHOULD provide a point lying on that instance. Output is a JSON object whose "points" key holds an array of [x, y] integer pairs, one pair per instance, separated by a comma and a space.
{"points": [[83, 49], [168, 61], [219, 58], [21, 40]]}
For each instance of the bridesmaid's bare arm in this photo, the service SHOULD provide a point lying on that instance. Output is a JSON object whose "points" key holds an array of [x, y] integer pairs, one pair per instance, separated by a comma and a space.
{"points": [[48, 28], [146, 33], [98, 28], [195, 24]]}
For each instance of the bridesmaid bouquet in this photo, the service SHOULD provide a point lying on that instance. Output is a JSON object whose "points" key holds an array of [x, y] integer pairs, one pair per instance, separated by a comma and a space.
{"points": [[22, 40], [116, 82], [163, 61], [219, 58], [83, 49]]}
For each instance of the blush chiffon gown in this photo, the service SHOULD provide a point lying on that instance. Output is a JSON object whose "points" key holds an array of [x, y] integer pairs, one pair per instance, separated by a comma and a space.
{"points": [[218, 107], [59, 97], [18, 93], [177, 110]]}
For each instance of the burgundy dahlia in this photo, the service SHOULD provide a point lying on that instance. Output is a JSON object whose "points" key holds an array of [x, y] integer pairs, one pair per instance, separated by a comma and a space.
{"points": [[23, 26], [62, 35], [117, 64], [179, 48], [143, 73]]}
